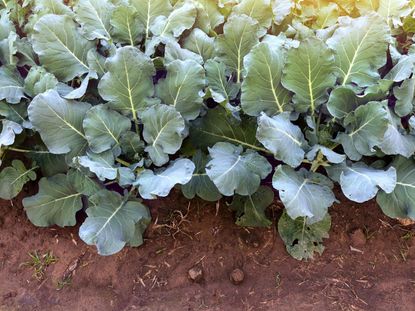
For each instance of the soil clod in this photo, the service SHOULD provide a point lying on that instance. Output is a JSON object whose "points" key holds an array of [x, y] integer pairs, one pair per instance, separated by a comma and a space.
{"points": [[358, 237], [196, 274], [237, 276]]}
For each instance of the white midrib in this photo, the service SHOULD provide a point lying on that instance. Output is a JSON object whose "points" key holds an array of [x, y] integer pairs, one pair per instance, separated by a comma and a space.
{"points": [[108, 130], [70, 52], [180, 89], [67, 123], [405, 184], [271, 80], [130, 95], [109, 219], [284, 133], [346, 77], [231, 168], [60, 199], [24, 174], [362, 126], [298, 192], [148, 17]]}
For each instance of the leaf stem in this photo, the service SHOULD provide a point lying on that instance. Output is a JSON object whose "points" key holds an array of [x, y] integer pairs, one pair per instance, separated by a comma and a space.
{"points": [[122, 162], [27, 151]]}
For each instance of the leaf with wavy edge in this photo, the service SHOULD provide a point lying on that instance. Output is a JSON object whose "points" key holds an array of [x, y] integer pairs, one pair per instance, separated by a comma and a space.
{"points": [[234, 171], [309, 74], [56, 203], [111, 222], [240, 34], [401, 202], [360, 45], [61, 48], [13, 178]]}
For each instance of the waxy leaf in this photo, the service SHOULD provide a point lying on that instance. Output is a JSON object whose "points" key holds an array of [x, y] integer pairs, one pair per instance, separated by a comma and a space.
{"points": [[56, 203], [94, 17], [301, 239], [59, 122], [366, 127], [360, 182], [163, 131], [262, 90], [284, 139], [218, 126], [221, 87], [342, 101], [405, 97], [183, 87], [304, 193], [8, 132], [200, 184], [126, 26], [61, 48], [11, 85], [250, 210], [102, 164], [239, 36], [148, 10], [309, 73], [200, 43], [13, 178], [401, 202], [360, 45], [152, 185], [38, 80], [208, 15], [128, 81], [103, 128], [111, 222], [234, 171], [259, 10]]}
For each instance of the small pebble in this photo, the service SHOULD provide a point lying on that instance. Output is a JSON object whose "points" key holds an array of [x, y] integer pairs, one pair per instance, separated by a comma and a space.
{"points": [[237, 276], [196, 274]]}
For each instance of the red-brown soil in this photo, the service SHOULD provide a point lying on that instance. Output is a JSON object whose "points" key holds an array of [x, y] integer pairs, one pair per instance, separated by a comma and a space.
{"points": [[368, 264]]}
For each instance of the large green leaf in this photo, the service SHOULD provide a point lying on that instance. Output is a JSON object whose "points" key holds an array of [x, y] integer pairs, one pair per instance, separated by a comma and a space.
{"points": [[163, 131], [304, 193], [360, 45], [396, 139], [126, 26], [103, 128], [234, 171], [239, 36], [200, 184], [405, 97], [38, 80], [13, 178], [11, 85], [309, 73], [180, 19], [302, 240], [128, 81], [360, 182], [148, 10], [365, 129], [401, 202], [250, 210], [59, 122], [56, 203], [61, 48], [183, 87], [102, 164], [221, 87], [208, 15], [151, 185], [393, 11], [94, 17], [218, 126], [284, 139], [111, 222], [262, 90], [342, 101], [200, 43], [259, 10]]}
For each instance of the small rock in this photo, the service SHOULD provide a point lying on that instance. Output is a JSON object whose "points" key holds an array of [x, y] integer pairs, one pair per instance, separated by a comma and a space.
{"points": [[358, 237], [196, 274], [237, 276]]}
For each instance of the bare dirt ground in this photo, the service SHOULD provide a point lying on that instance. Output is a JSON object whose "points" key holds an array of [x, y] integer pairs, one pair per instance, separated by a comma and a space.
{"points": [[369, 264]]}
